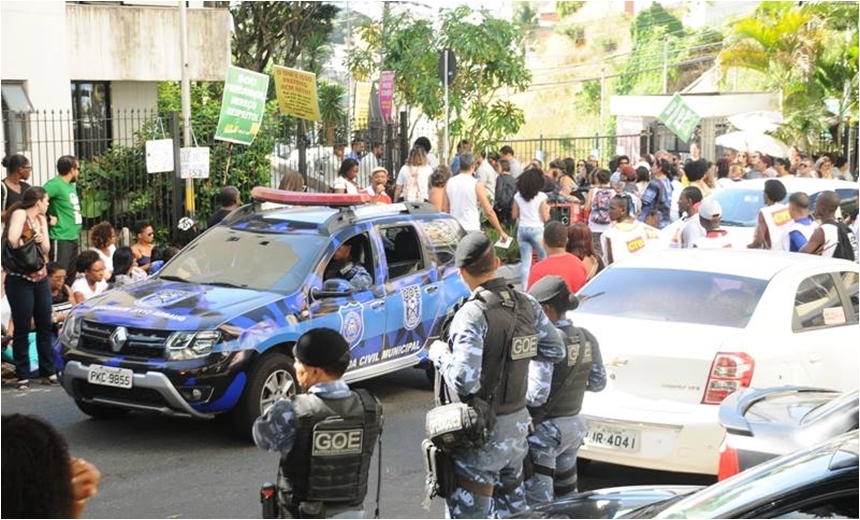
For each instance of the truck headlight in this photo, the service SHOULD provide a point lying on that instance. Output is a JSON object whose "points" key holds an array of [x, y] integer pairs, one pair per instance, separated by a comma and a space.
{"points": [[71, 333], [191, 345]]}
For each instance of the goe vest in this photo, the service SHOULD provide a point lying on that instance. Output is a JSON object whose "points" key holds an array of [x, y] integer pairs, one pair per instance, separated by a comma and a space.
{"points": [[511, 342], [331, 454], [570, 377]]}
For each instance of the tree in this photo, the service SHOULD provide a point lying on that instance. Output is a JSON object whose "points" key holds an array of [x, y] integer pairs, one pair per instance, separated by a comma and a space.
{"points": [[564, 9], [808, 54], [488, 60], [276, 32], [332, 97]]}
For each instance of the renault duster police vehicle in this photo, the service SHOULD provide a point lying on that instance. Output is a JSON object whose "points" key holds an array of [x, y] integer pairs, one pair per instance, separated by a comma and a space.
{"points": [[213, 331]]}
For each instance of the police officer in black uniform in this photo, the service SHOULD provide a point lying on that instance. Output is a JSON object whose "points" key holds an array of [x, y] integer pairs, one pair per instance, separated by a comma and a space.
{"points": [[325, 437], [496, 340], [558, 428]]}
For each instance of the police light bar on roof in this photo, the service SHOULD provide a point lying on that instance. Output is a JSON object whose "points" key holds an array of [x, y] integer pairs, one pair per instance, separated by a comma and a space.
{"points": [[309, 199]]}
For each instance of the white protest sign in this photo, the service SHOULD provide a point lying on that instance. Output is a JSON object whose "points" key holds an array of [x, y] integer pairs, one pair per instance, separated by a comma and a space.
{"points": [[159, 156], [194, 162]]}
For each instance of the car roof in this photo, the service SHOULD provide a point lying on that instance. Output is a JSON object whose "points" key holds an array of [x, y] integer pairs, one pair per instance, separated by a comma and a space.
{"points": [[758, 264], [327, 219], [794, 184]]}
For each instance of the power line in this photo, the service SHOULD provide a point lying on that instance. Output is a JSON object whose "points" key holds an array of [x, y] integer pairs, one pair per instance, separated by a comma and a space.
{"points": [[615, 56], [598, 78]]}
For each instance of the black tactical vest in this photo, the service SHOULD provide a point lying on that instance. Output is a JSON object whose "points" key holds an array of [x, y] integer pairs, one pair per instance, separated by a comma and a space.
{"points": [[569, 377], [331, 453], [511, 342]]}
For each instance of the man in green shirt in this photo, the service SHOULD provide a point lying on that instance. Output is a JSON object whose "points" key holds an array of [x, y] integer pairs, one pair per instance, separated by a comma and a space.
{"points": [[63, 203]]}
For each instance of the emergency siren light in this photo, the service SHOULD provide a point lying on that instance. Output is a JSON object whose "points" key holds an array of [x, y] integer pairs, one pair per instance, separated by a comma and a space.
{"points": [[297, 198]]}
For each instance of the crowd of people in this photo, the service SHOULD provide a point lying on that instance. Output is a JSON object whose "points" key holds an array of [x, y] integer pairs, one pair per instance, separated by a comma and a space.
{"points": [[44, 271]]}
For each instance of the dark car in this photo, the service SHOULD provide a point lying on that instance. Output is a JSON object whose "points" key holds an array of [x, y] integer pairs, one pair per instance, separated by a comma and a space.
{"points": [[819, 482], [764, 423], [213, 331]]}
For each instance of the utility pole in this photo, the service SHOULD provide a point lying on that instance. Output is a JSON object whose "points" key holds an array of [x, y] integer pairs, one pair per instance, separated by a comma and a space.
{"points": [[665, 66], [350, 95], [444, 158], [186, 101]]}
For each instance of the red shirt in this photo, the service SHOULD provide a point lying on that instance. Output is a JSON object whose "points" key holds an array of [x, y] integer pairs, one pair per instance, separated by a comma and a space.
{"points": [[567, 266]]}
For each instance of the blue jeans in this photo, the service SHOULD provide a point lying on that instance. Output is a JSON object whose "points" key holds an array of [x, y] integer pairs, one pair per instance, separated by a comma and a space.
{"points": [[529, 238], [31, 301]]}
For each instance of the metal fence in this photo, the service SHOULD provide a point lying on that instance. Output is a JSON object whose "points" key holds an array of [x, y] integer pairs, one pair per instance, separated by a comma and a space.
{"points": [[114, 185]]}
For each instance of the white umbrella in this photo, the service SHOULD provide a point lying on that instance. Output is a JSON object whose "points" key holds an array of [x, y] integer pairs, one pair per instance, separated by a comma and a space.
{"points": [[759, 121], [747, 141]]}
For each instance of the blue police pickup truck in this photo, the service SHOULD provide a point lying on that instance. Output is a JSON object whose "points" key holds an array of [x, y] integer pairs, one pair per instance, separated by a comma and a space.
{"points": [[212, 332]]}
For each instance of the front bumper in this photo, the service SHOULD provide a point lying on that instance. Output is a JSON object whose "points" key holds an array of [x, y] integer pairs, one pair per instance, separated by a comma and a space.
{"points": [[150, 391]]}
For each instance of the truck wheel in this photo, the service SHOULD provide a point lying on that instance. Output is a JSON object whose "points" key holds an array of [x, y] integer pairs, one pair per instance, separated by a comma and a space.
{"points": [[99, 411], [270, 379]]}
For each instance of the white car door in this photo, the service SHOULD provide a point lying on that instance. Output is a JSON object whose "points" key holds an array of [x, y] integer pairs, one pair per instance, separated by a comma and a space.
{"points": [[825, 328]]}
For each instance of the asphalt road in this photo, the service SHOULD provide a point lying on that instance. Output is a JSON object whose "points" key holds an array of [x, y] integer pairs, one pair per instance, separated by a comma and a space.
{"points": [[157, 467]]}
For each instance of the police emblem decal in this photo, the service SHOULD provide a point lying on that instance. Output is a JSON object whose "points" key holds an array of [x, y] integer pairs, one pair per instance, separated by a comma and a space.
{"points": [[352, 323], [328, 443], [411, 296]]}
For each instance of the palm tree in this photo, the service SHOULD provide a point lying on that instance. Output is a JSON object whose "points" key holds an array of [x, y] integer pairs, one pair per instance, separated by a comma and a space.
{"points": [[332, 107]]}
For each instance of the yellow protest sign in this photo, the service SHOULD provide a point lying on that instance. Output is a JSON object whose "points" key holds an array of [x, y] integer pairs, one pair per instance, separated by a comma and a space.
{"points": [[297, 93], [361, 110]]}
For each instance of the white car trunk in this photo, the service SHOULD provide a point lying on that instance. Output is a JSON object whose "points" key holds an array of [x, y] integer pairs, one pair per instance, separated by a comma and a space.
{"points": [[655, 360]]}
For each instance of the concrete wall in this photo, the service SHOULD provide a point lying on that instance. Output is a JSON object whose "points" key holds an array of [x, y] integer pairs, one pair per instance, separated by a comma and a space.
{"points": [[111, 43]]}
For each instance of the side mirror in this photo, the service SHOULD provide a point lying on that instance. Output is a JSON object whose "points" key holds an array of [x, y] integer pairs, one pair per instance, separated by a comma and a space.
{"points": [[334, 288]]}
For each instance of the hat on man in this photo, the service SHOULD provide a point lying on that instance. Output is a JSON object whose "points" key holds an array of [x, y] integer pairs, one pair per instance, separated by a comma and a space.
{"points": [[378, 169], [554, 288], [320, 347], [627, 173], [710, 209], [472, 248]]}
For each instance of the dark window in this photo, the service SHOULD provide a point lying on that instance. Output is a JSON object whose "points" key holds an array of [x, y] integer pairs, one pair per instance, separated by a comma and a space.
{"points": [[849, 278], [91, 116], [842, 506], [402, 251], [817, 304], [16, 113]]}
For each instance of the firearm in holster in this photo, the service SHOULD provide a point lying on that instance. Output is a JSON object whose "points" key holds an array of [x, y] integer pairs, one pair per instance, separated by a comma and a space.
{"points": [[269, 500]]}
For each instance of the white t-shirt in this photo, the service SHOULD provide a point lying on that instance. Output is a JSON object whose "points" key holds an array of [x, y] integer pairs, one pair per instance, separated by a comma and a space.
{"points": [[463, 201], [628, 239], [81, 286], [341, 183], [487, 175], [515, 168], [107, 259], [530, 210], [414, 182], [692, 232]]}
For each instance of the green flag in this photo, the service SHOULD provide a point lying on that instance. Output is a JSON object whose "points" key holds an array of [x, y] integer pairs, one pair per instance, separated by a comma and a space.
{"points": [[680, 118], [242, 106]]}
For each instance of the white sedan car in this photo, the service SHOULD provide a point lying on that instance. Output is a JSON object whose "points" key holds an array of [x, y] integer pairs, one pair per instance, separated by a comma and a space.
{"points": [[742, 200], [680, 330]]}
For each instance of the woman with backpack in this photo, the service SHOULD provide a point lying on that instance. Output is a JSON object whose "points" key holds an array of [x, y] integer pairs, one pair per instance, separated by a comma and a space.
{"points": [[657, 197], [531, 210], [597, 206], [413, 180]]}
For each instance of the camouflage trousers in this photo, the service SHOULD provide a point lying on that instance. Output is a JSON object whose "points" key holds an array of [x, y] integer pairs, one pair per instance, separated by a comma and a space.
{"points": [[495, 466], [553, 447]]}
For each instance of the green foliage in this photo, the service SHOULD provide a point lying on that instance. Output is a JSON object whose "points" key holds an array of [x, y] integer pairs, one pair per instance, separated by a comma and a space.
{"points": [[563, 9], [807, 54], [511, 255], [269, 33], [488, 60], [588, 99], [332, 102]]}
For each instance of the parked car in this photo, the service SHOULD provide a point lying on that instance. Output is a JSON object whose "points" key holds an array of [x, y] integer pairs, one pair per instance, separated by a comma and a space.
{"points": [[742, 200], [213, 331], [763, 424], [680, 330], [818, 482]]}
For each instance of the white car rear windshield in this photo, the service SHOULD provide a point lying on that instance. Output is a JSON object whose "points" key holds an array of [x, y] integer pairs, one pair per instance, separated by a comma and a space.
{"points": [[673, 296]]}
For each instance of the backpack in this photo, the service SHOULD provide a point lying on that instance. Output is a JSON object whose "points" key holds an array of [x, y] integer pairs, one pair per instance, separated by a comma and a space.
{"points": [[600, 205], [846, 244], [506, 188]]}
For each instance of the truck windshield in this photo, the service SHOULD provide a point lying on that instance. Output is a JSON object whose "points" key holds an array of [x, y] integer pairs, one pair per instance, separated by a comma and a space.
{"points": [[248, 260]]}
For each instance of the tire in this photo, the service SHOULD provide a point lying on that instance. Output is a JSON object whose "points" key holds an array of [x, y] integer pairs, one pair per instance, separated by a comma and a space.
{"points": [[101, 412], [271, 378]]}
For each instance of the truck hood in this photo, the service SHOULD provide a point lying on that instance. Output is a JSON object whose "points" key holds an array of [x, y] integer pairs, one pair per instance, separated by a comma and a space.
{"points": [[168, 305]]}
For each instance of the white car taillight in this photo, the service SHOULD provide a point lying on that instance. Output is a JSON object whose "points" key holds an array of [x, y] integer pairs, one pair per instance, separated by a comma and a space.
{"points": [[730, 372]]}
